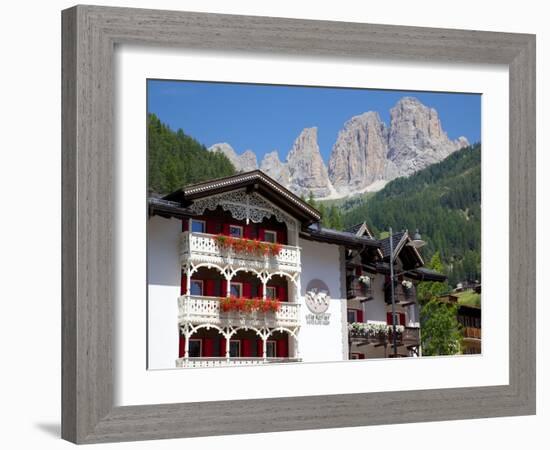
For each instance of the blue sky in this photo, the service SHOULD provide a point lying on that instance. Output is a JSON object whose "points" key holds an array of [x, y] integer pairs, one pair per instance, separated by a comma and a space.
{"points": [[267, 117]]}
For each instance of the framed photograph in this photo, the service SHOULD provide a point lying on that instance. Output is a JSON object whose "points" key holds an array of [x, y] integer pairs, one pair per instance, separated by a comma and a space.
{"points": [[278, 224]]}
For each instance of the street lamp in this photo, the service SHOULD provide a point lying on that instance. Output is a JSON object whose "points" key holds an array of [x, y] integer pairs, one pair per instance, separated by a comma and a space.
{"points": [[416, 242], [392, 257]]}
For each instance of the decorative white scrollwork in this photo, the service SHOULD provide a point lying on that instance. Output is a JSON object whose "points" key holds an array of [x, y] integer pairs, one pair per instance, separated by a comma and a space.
{"points": [[242, 206]]}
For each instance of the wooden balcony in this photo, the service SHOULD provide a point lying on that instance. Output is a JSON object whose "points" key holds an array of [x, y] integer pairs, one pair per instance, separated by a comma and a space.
{"points": [[358, 290], [381, 334], [196, 248], [199, 310], [471, 332], [401, 295]]}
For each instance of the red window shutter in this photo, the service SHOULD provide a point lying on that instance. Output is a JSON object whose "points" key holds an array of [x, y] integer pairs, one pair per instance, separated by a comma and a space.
{"points": [[259, 348], [225, 229], [282, 348], [209, 287], [212, 226], [281, 237], [247, 231], [358, 271], [184, 224], [260, 290], [223, 292], [222, 347], [402, 319], [182, 346], [389, 319], [359, 315], [246, 348], [261, 234], [208, 347], [281, 293], [247, 291], [183, 283]]}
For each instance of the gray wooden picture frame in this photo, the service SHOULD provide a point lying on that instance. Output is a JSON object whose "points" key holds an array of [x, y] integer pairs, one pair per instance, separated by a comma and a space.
{"points": [[90, 34]]}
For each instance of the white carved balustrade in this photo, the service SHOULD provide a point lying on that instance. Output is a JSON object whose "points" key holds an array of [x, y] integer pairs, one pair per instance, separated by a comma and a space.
{"points": [[197, 248], [207, 310], [221, 362]]}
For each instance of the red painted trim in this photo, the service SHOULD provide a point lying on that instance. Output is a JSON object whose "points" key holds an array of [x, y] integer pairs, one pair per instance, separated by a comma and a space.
{"points": [[182, 346], [246, 349], [247, 291], [360, 316], [209, 288], [282, 348], [208, 347], [259, 348], [183, 283], [281, 293], [222, 347]]}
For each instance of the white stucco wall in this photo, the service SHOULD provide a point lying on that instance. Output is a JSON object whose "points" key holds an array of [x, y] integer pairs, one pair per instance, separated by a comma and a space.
{"points": [[320, 342], [163, 277]]}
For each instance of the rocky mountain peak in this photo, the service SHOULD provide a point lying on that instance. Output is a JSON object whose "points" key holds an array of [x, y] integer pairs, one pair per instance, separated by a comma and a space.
{"points": [[275, 168], [416, 137], [358, 158], [242, 163], [307, 171]]}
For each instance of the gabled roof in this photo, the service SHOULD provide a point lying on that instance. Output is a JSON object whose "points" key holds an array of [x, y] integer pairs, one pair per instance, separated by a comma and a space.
{"points": [[360, 229], [254, 180], [407, 253]]}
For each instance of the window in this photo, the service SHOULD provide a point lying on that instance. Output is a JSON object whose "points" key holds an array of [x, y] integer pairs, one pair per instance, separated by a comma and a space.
{"points": [[195, 348], [196, 287], [198, 226], [236, 289], [271, 292], [352, 315], [270, 236], [236, 231], [234, 349], [271, 349]]}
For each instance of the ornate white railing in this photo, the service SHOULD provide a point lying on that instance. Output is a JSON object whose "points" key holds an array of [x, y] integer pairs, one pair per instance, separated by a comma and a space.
{"points": [[197, 310], [222, 362], [203, 248]]}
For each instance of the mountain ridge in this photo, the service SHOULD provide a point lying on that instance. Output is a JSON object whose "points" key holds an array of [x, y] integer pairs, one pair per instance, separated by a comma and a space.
{"points": [[367, 153]]}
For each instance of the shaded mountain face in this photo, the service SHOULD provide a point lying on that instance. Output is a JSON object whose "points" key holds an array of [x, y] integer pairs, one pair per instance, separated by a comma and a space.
{"points": [[359, 156], [306, 169], [275, 168], [367, 153], [242, 163], [416, 138]]}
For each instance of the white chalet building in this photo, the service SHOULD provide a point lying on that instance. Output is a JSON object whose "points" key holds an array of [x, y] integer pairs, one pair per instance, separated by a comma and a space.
{"points": [[241, 272]]}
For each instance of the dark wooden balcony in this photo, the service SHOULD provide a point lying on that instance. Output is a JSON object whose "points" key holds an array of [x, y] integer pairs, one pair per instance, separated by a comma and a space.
{"points": [[471, 332], [358, 290], [402, 295]]}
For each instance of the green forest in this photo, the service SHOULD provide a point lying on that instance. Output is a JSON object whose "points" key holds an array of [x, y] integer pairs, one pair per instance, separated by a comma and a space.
{"points": [[443, 201], [176, 159]]}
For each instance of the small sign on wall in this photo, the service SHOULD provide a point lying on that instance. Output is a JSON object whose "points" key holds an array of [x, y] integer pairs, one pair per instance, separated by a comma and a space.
{"points": [[317, 300]]}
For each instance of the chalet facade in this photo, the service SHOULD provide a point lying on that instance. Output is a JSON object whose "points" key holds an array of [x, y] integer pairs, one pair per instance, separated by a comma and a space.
{"points": [[369, 296], [469, 317], [241, 272]]}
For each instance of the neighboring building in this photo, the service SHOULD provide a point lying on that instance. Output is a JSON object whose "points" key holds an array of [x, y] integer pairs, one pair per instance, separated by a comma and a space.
{"points": [[469, 317], [369, 297], [220, 253]]}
